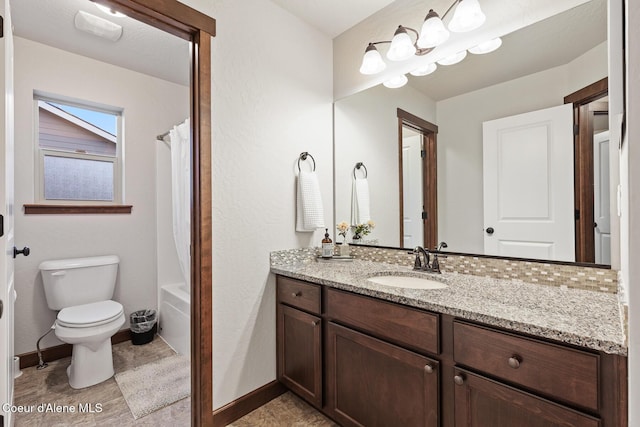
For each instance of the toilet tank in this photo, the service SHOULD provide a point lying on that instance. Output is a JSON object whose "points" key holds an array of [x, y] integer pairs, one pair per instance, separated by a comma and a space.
{"points": [[76, 281]]}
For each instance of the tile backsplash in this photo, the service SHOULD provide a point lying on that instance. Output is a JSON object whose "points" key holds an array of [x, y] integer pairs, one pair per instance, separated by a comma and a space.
{"points": [[570, 276]]}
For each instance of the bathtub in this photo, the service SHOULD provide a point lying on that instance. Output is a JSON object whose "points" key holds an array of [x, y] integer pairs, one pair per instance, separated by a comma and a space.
{"points": [[174, 317]]}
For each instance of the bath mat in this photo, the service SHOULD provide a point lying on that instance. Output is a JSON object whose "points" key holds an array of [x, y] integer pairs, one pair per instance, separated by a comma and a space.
{"points": [[155, 385]]}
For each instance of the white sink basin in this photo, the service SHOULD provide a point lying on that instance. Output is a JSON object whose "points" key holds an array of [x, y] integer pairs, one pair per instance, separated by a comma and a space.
{"points": [[410, 282]]}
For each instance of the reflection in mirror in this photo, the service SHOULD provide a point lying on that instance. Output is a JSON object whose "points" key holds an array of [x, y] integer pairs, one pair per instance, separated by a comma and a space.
{"points": [[536, 68]]}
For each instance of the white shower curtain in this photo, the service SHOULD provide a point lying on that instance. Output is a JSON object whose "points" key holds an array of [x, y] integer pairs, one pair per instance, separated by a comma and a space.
{"points": [[180, 141]]}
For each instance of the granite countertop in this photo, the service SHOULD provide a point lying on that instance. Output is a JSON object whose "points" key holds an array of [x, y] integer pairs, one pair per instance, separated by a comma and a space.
{"points": [[585, 318]]}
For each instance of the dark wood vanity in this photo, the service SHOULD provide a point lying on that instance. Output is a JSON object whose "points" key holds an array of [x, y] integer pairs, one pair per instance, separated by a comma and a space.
{"points": [[366, 361]]}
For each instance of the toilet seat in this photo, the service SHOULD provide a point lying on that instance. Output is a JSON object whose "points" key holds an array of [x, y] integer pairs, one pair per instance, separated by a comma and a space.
{"points": [[90, 315]]}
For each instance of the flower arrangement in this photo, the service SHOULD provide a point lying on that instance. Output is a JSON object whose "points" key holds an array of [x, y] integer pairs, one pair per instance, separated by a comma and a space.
{"points": [[343, 228], [360, 230]]}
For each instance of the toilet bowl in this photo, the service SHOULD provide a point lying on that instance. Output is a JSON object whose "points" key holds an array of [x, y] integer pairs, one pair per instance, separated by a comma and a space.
{"points": [[89, 328], [81, 289]]}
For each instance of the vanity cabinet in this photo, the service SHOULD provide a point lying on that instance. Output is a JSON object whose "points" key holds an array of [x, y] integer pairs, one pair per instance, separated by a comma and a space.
{"points": [[365, 361], [299, 339]]}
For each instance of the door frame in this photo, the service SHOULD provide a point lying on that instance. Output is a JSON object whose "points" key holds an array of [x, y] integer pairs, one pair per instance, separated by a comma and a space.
{"points": [[429, 133], [583, 167], [182, 21]]}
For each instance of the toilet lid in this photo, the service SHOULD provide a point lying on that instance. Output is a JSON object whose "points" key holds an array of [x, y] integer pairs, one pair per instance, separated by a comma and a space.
{"points": [[87, 315]]}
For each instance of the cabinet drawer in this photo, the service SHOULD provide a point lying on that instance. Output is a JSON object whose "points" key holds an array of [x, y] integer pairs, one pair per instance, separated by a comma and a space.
{"points": [[559, 372], [296, 293], [405, 326]]}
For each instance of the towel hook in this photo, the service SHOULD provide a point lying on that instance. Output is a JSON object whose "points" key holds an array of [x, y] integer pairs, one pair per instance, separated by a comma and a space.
{"points": [[303, 157], [358, 166]]}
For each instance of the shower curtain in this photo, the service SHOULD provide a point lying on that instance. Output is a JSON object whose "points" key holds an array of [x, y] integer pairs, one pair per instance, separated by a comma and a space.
{"points": [[180, 141]]}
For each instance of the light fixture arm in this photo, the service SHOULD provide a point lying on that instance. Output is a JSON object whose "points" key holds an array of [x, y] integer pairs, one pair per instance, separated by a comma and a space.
{"points": [[419, 51]]}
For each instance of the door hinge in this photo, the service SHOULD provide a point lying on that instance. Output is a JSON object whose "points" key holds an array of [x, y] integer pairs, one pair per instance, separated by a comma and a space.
{"points": [[423, 154], [1, 27], [576, 129], [1, 225], [424, 215], [577, 214]]}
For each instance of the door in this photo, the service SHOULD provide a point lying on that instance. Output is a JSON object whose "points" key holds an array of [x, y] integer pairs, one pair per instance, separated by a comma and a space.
{"points": [[601, 207], [7, 293], [528, 185], [373, 383], [412, 191], [481, 402], [300, 353]]}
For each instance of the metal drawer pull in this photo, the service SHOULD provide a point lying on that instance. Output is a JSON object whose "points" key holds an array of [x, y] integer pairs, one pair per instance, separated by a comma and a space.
{"points": [[428, 369], [514, 361], [459, 379], [296, 294]]}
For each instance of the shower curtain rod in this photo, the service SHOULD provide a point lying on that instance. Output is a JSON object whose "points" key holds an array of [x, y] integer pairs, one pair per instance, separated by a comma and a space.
{"points": [[163, 135]]}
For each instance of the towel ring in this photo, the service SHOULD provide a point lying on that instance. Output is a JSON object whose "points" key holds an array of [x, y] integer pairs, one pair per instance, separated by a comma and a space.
{"points": [[358, 166], [303, 157]]}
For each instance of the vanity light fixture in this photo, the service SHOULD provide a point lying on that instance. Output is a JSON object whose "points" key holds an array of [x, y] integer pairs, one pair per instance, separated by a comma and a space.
{"points": [[97, 26], [396, 82], [486, 47], [453, 59], [467, 16]]}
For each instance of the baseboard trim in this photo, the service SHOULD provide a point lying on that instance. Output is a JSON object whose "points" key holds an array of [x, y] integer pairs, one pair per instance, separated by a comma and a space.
{"points": [[247, 403], [63, 350]]}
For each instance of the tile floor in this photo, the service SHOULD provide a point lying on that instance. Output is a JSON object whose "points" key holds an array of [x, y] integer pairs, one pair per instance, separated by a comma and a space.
{"points": [[50, 385]]}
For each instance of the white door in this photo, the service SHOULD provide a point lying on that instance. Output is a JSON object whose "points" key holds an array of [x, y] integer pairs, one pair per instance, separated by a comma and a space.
{"points": [[601, 208], [7, 294], [528, 185], [412, 188]]}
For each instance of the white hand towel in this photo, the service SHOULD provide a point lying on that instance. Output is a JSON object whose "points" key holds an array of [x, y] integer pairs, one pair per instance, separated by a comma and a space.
{"points": [[309, 209], [360, 208]]}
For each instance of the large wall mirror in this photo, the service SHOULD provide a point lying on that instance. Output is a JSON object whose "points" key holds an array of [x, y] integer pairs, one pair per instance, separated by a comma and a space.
{"points": [[536, 68]]}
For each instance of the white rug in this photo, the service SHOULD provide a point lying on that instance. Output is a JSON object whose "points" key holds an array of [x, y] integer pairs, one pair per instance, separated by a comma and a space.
{"points": [[155, 385]]}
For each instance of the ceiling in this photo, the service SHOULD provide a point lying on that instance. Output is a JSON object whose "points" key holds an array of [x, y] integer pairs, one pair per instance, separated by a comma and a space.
{"points": [[142, 48], [332, 17]]}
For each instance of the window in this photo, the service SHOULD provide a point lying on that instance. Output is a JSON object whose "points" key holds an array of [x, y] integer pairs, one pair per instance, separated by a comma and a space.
{"points": [[79, 152]]}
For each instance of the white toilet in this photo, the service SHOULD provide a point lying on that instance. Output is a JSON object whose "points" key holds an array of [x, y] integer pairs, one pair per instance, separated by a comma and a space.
{"points": [[81, 288]]}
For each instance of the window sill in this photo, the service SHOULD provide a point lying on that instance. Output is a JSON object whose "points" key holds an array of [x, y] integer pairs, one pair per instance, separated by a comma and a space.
{"points": [[76, 209]]}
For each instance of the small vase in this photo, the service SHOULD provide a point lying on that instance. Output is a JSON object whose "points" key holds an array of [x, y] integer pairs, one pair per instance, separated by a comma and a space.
{"points": [[356, 239], [342, 249]]}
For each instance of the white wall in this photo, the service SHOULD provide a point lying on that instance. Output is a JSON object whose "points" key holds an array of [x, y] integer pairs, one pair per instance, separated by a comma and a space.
{"points": [[460, 202], [150, 107], [271, 96], [366, 130]]}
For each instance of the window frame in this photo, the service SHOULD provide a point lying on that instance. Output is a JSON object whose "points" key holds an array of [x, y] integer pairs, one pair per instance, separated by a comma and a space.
{"points": [[40, 153]]}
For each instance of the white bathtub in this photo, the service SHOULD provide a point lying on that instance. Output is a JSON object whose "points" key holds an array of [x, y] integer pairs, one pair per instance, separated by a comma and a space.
{"points": [[175, 312]]}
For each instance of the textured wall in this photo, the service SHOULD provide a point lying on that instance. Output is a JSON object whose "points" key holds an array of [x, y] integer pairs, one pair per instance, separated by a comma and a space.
{"points": [[150, 107], [271, 96]]}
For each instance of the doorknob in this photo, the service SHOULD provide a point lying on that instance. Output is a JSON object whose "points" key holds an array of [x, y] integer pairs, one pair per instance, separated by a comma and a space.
{"points": [[24, 251], [490, 230]]}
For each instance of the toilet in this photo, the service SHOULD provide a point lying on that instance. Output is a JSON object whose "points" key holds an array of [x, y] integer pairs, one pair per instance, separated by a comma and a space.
{"points": [[81, 289]]}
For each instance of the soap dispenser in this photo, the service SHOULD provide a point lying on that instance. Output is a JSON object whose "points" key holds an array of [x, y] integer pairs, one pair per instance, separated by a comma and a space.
{"points": [[327, 245]]}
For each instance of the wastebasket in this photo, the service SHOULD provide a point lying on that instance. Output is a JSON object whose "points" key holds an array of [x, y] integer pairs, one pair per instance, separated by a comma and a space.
{"points": [[143, 324]]}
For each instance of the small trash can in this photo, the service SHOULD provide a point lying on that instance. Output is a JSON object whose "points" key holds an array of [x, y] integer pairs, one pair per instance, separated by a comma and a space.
{"points": [[143, 324]]}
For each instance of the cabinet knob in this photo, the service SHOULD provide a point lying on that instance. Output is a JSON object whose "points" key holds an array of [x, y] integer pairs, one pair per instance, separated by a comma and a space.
{"points": [[296, 294], [514, 361], [315, 322], [459, 379], [428, 369]]}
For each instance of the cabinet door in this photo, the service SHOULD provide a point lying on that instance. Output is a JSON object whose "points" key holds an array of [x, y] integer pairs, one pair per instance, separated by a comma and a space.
{"points": [[300, 353], [480, 402], [373, 383]]}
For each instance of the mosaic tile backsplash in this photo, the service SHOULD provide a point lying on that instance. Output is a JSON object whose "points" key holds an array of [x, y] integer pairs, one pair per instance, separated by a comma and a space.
{"points": [[570, 276]]}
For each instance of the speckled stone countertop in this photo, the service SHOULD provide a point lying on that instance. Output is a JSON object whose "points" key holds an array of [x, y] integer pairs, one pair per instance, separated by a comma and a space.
{"points": [[585, 318]]}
